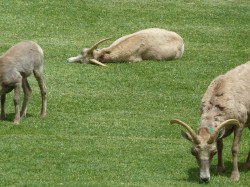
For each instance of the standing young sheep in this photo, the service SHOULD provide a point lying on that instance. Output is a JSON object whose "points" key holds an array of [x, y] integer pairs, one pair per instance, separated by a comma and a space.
{"points": [[15, 66], [225, 109]]}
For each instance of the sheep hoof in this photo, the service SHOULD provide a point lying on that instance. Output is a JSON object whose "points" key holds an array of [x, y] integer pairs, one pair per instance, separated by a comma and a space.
{"points": [[16, 122], [43, 115], [235, 176]]}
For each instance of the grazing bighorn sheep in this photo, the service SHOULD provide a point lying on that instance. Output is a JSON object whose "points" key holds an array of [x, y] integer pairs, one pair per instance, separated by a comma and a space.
{"points": [[225, 108], [15, 66], [148, 44]]}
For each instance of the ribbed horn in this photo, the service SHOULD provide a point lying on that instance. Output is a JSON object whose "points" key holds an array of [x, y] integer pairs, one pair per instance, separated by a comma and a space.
{"points": [[94, 61], [188, 128], [90, 50], [220, 127]]}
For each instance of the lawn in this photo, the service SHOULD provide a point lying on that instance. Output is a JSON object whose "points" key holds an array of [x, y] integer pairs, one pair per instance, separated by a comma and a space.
{"points": [[110, 126]]}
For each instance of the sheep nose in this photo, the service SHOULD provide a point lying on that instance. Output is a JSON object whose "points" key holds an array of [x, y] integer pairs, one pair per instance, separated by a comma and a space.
{"points": [[205, 179]]}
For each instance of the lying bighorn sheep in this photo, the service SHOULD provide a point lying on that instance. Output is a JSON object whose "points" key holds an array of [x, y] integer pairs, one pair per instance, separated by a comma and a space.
{"points": [[15, 66], [227, 97], [148, 44]]}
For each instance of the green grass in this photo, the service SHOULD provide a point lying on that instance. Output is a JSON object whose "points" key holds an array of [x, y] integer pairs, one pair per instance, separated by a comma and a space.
{"points": [[110, 126]]}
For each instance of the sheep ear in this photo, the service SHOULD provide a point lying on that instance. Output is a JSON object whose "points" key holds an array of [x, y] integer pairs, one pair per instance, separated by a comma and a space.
{"points": [[101, 55], [220, 135], [187, 136], [105, 51]]}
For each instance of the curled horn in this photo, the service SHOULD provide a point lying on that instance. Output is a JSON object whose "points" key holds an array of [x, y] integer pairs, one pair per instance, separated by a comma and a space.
{"points": [[94, 61], [90, 50], [220, 127], [188, 128]]}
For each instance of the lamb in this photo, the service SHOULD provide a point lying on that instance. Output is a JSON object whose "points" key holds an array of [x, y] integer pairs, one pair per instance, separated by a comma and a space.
{"points": [[15, 66], [225, 108], [148, 44]]}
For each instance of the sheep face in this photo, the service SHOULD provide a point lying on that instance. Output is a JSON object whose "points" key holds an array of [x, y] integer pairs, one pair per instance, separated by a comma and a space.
{"points": [[203, 151], [87, 55], [205, 142], [83, 57]]}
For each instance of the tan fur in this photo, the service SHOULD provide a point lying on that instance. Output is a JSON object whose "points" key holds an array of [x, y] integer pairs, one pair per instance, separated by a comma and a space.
{"points": [[226, 99], [228, 96], [15, 66], [148, 44]]}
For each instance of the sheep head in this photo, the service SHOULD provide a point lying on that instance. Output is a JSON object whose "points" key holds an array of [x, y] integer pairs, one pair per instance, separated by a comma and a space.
{"points": [[87, 55], [204, 144]]}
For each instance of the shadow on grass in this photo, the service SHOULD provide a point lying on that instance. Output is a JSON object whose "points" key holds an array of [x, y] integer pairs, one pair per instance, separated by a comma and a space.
{"points": [[193, 173], [10, 117]]}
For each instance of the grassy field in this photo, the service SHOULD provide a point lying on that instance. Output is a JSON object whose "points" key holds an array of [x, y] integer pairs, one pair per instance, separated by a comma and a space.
{"points": [[110, 126]]}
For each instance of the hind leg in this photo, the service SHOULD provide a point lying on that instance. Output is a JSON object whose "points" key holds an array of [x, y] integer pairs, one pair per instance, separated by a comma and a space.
{"points": [[246, 166], [27, 93], [17, 90], [3, 98], [40, 79]]}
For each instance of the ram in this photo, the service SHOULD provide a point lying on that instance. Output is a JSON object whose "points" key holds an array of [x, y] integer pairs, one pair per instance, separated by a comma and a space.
{"points": [[148, 44], [15, 66], [225, 108]]}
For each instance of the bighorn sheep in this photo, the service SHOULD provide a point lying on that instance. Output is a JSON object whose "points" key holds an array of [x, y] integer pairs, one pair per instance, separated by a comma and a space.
{"points": [[148, 44], [15, 66], [225, 108]]}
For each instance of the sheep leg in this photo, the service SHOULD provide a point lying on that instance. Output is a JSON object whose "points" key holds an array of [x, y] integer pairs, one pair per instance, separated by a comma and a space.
{"points": [[235, 176], [220, 166], [16, 101], [39, 77], [27, 92], [246, 166], [3, 98]]}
